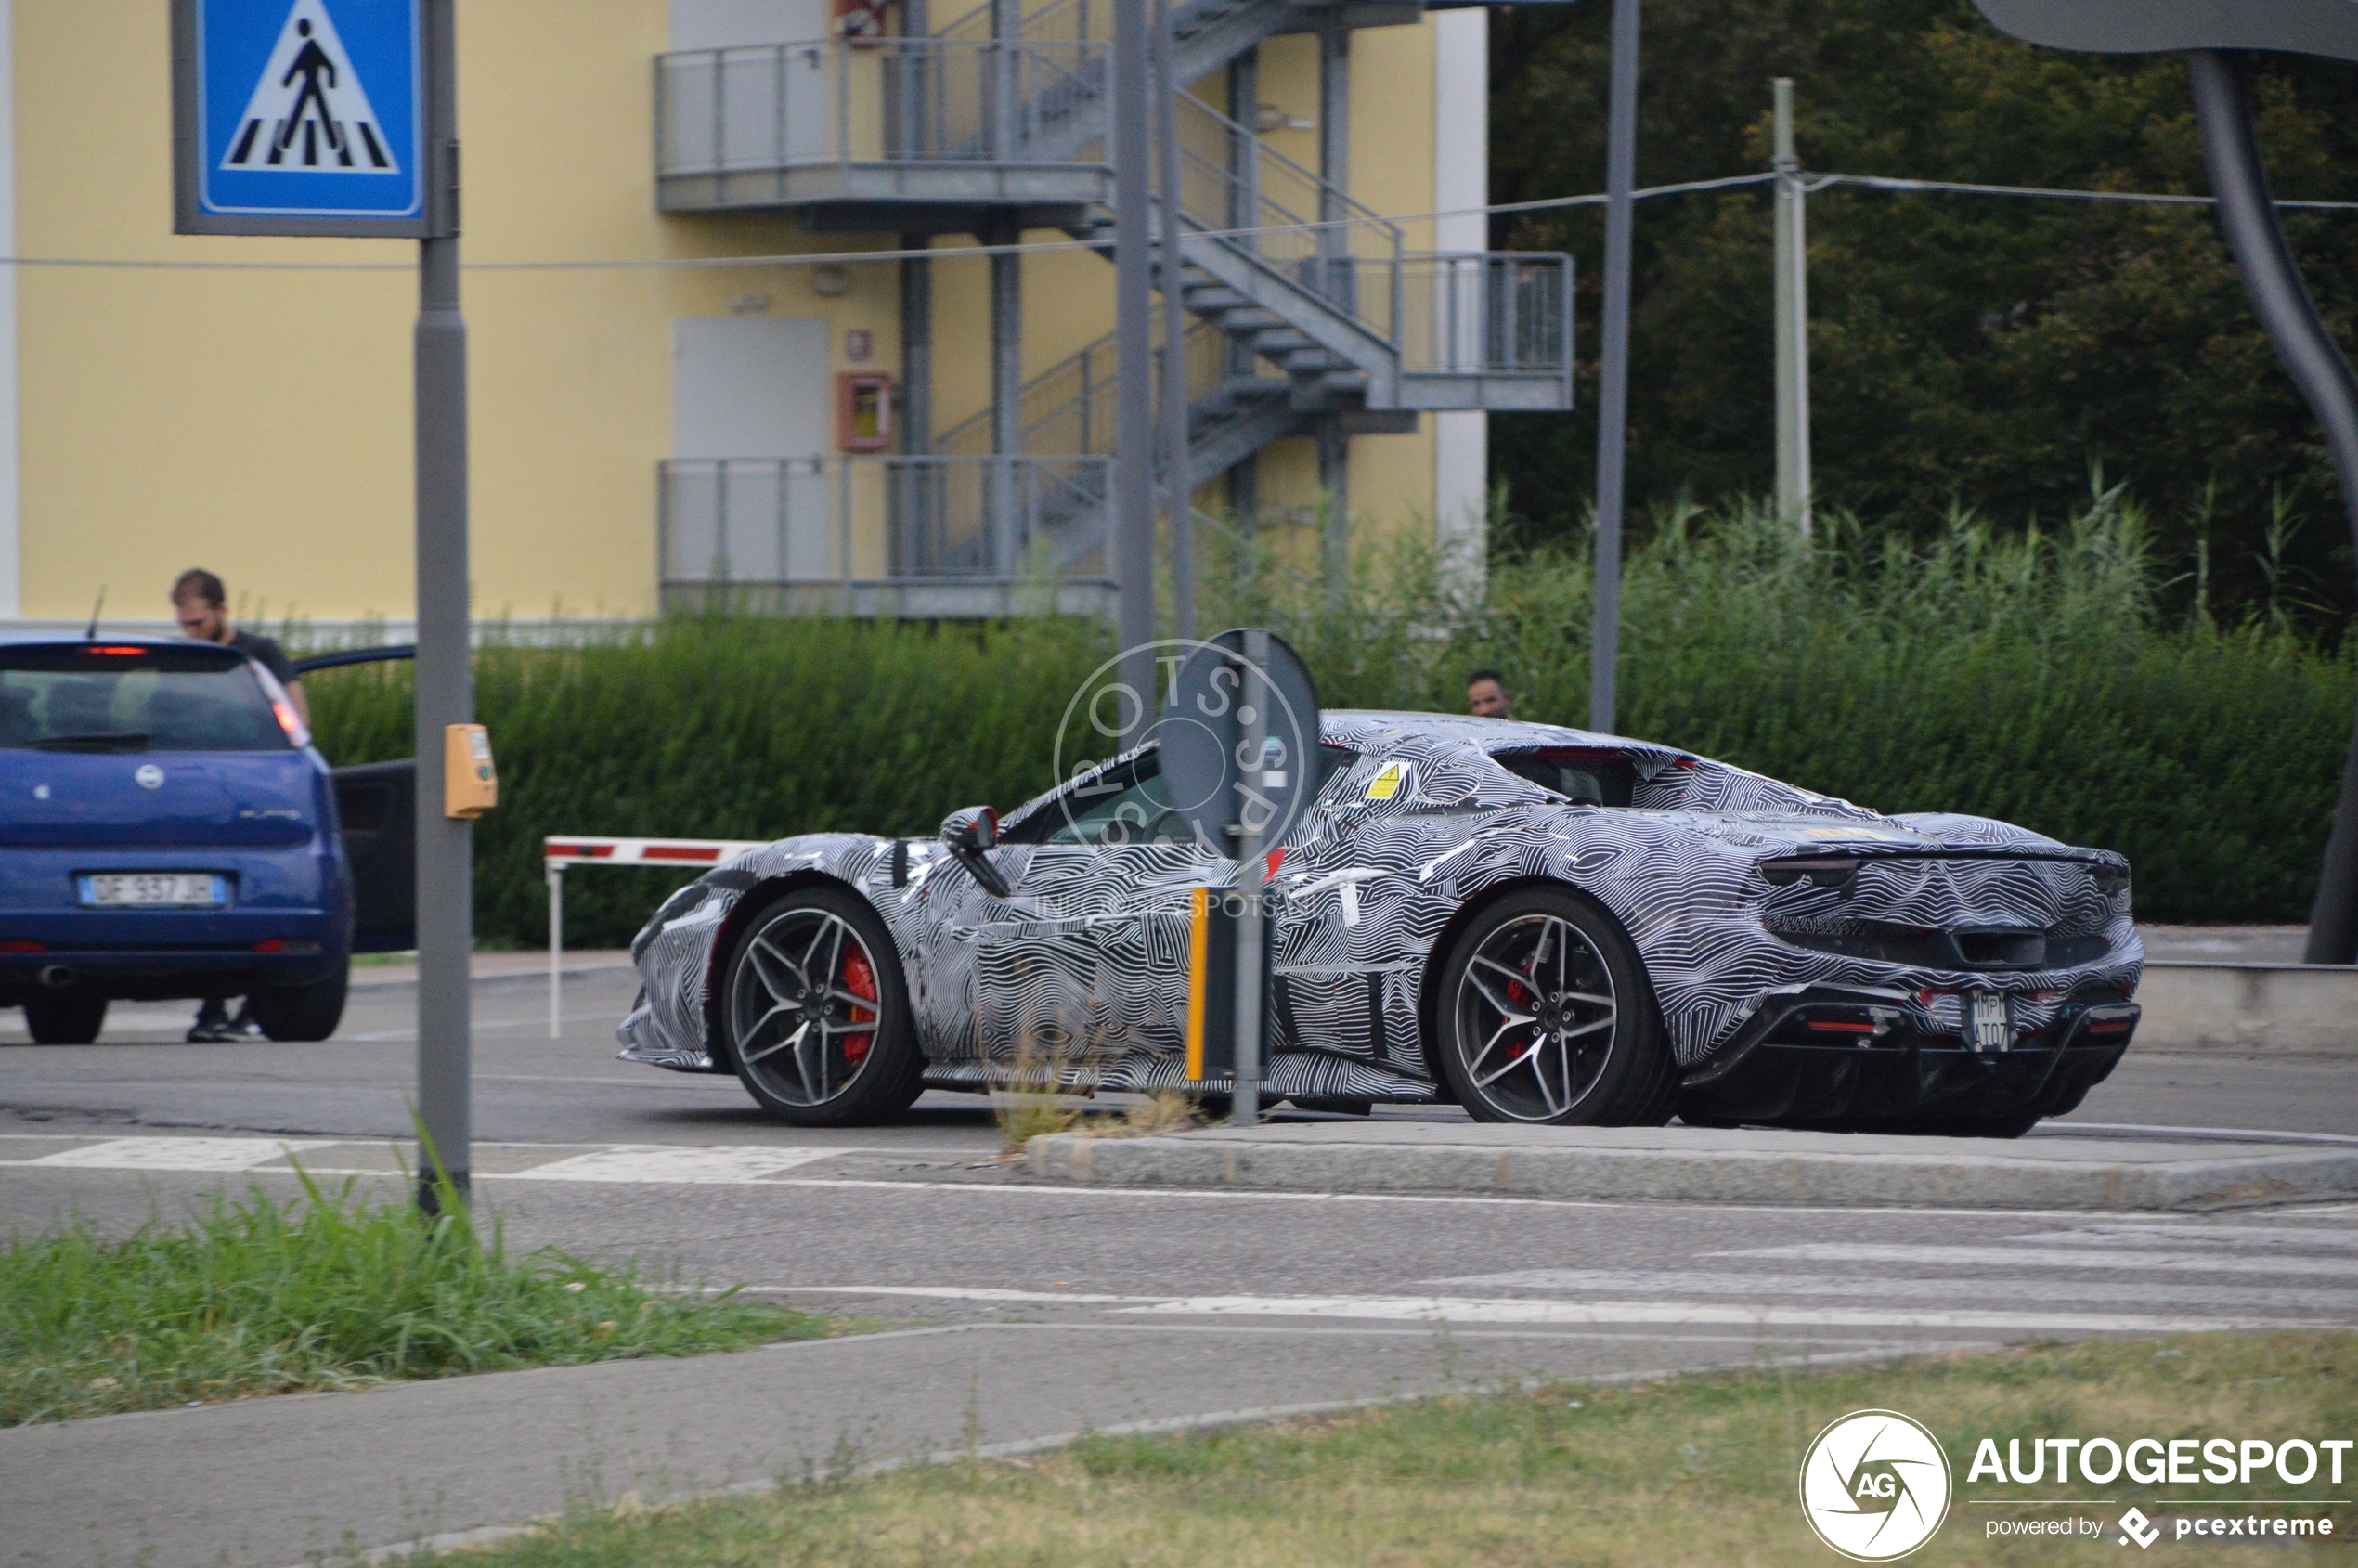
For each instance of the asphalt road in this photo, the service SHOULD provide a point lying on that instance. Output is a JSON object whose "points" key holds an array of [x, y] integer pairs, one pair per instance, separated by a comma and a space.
{"points": [[1028, 1310]]}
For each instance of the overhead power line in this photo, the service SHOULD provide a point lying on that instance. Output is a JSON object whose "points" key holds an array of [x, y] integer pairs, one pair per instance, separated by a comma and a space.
{"points": [[949, 253]]}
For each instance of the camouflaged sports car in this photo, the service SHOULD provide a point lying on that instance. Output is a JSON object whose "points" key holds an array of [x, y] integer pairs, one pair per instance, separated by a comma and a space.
{"points": [[1539, 924]]}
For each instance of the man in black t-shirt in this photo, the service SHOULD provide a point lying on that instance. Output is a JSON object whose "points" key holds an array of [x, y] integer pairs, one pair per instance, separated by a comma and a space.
{"points": [[201, 605]]}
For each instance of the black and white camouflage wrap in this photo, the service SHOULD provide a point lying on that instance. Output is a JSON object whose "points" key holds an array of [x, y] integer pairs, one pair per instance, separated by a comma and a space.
{"points": [[1084, 964]]}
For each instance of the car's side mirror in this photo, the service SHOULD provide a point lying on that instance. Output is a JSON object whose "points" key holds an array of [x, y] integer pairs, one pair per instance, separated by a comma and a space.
{"points": [[971, 834], [977, 827]]}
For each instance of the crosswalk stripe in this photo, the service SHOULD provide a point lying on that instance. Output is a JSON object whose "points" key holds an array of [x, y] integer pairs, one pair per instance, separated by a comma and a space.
{"points": [[177, 1154]]}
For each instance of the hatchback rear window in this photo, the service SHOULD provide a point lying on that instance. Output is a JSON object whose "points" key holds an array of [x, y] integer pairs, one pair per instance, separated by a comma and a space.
{"points": [[96, 697]]}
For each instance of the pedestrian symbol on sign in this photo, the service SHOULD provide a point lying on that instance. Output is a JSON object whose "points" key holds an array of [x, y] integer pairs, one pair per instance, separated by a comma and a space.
{"points": [[308, 111]]}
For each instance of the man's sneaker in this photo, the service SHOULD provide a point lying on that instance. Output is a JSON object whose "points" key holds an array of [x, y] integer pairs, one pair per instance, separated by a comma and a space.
{"points": [[212, 1026]]}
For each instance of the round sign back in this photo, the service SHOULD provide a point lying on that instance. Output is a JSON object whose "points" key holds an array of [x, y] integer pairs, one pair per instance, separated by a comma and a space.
{"points": [[1218, 701]]}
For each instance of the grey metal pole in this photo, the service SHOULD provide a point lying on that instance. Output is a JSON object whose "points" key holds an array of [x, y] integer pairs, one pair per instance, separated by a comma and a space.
{"points": [[2231, 152], [1178, 489], [1006, 392], [916, 347], [1134, 522], [1792, 267], [445, 672], [1244, 1105], [1613, 394]]}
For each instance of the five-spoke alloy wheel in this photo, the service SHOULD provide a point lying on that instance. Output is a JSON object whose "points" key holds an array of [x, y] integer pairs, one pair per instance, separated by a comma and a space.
{"points": [[817, 1014], [1545, 1017]]}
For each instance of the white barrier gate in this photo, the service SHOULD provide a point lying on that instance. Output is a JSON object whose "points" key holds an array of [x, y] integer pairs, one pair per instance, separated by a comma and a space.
{"points": [[560, 850]]}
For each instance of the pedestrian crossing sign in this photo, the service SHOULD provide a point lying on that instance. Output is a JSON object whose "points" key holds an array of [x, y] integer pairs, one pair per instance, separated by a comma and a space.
{"points": [[300, 116]]}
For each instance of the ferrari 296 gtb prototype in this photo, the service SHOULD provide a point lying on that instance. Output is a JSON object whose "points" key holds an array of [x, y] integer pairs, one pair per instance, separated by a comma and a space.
{"points": [[1539, 924]]}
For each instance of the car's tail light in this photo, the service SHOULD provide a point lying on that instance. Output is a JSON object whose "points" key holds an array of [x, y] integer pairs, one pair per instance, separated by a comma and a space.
{"points": [[23, 944], [110, 653]]}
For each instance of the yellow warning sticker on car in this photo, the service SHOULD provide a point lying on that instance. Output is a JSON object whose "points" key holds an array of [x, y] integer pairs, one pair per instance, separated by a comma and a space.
{"points": [[1386, 785]]}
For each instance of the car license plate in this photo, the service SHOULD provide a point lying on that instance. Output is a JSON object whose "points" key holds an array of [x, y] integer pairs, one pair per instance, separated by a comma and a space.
{"points": [[1989, 1031], [176, 889]]}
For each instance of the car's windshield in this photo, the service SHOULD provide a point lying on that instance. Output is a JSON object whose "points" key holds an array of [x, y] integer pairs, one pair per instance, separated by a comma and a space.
{"points": [[1585, 778], [132, 697]]}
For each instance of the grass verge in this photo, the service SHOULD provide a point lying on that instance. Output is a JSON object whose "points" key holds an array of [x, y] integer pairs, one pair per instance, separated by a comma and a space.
{"points": [[1694, 1470], [322, 1292]]}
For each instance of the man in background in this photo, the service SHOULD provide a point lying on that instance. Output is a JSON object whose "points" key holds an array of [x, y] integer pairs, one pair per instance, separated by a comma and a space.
{"points": [[1486, 695], [200, 603]]}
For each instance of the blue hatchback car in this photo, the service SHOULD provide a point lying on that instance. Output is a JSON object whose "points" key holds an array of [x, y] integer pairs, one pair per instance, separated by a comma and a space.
{"points": [[167, 830]]}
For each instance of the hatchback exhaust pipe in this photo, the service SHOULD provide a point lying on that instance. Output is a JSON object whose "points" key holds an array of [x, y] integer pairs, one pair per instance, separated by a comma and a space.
{"points": [[57, 976]]}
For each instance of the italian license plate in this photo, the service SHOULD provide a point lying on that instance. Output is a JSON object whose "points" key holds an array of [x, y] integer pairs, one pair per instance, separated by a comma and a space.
{"points": [[173, 890], [1989, 1031]]}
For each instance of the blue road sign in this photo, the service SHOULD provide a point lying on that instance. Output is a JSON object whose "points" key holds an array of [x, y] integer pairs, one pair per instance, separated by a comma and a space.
{"points": [[302, 116]]}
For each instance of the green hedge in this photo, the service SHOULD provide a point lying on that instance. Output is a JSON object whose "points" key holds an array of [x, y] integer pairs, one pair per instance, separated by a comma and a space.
{"points": [[2016, 676]]}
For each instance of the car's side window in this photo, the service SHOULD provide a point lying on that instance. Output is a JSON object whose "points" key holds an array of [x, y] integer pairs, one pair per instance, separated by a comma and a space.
{"points": [[1132, 809]]}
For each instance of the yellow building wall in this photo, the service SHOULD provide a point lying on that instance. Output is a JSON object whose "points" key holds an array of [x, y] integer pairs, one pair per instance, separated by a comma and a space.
{"points": [[259, 422]]}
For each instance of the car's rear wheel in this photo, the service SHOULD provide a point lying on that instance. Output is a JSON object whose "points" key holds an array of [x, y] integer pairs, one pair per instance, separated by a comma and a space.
{"points": [[1545, 1017], [301, 1012], [817, 1013], [73, 1019]]}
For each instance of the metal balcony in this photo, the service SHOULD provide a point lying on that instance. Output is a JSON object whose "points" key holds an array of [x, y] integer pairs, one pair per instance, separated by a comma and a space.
{"points": [[908, 536], [886, 134]]}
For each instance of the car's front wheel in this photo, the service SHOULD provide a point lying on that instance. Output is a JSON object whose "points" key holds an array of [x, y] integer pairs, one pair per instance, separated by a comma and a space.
{"points": [[1545, 1015], [70, 1020], [301, 1012], [817, 1013]]}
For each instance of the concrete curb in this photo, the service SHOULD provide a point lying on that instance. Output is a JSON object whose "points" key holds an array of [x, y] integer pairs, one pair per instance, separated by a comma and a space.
{"points": [[2263, 1010], [1698, 1165]]}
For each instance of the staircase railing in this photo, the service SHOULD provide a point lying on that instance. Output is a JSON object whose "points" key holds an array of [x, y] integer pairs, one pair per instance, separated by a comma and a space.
{"points": [[1493, 312], [891, 100], [1232, 179], [781, 522], [1068, 410]]}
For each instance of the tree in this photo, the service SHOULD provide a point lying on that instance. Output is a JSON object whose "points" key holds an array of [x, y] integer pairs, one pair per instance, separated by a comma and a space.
{"points": [[1966, 350]]}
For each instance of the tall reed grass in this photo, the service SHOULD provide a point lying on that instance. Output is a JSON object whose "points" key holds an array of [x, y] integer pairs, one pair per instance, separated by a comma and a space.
{"points": [[2022, 674]]}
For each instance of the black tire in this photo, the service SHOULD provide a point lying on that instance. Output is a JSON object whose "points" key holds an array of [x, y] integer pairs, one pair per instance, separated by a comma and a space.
{"points": [[1590, 1051], [792, 968], [301, 1012], [70, 1018]]}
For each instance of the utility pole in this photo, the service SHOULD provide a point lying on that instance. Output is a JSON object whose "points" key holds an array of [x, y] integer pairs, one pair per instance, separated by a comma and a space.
{"points": [[1133, 478], [1793, 322], [1612, 396]]}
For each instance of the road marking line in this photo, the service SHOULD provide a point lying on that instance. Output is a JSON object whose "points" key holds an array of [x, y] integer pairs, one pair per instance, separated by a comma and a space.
{"points": [[671, 1163], [1458, 1309], [1495, 1310], [2248, 1298], [177, 1154], [2307, 1237], [2024, 1257]]}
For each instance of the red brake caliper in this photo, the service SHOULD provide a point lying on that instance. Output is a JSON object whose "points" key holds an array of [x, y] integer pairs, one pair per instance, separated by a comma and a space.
{"points": [[861, 980]]}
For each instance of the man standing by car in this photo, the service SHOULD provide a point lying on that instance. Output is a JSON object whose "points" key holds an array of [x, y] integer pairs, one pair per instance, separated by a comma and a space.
{"points": [[1486, 695], [200, 603]]}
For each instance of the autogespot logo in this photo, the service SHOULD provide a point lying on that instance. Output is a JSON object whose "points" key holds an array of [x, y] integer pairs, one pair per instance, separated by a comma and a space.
{"points": [[1874, 1485]]}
